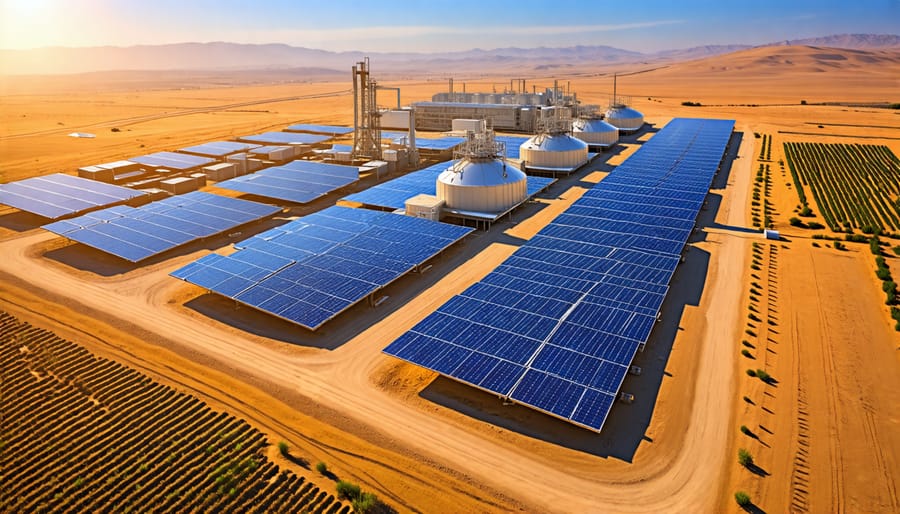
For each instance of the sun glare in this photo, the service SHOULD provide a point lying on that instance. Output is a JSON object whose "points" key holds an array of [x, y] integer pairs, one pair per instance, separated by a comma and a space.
{"points": [[28, 23]]}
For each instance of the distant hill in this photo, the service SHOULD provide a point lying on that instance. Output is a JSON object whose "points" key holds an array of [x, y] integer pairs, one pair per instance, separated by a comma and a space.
{"points": [[222, 57], [848, 41], [765, 60]]}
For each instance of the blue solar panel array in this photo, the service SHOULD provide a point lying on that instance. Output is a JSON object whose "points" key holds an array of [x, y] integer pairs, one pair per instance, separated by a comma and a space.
{"points": [[321, 129], [219, 148], [556, 326], [285, 138], [135, 234], [173, 160], [512, 145], [298, 181], [312, 269], [394, 193], [58, 195], [425, 143]]}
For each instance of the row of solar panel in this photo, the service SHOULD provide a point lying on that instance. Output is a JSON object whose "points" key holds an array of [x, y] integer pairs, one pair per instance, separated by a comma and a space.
{"points": [[568, 310], [173, 160], [311, 269], [394, 193], [58, 195], [297, 181], [135, 234], [219, 148]]}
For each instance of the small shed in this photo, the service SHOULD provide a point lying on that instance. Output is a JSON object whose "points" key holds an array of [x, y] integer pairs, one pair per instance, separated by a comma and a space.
{"points": [[772, 234], [424, 206]]}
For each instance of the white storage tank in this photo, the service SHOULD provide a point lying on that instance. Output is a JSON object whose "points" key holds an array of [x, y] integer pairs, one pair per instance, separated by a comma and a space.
{"points": [[482, 185], [553, 151], [625, 118], [595, 132]]}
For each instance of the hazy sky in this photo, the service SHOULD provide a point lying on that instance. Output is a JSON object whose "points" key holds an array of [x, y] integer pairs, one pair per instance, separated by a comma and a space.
{"points": [[424, 26]]}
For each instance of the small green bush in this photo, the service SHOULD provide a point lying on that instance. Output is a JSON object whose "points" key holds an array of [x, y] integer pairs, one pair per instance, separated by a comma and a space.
{"points": [[322, 468], [366, 503], [883, 273], [348, 490], [742, 498], [283, 448], [748, 400], [744, 458], [745, 430], [806, 212], [796, 222], [746, 353], [839, 246], [763, 375], [814, 225], [751, 372]]}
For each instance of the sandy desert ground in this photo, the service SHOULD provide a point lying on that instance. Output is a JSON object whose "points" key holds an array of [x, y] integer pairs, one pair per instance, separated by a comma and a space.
{"points": [[827, 431]]}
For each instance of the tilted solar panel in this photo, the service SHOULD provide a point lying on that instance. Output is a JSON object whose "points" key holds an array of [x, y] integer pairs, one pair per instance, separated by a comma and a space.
{"points": [[135, 234], [58, 195], [297, 181], [312, 269], [320, 129], [286, 138], [556, 326]]}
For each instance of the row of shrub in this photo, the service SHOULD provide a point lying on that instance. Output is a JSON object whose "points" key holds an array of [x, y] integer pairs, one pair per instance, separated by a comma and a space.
{"points": [[853, 185]]}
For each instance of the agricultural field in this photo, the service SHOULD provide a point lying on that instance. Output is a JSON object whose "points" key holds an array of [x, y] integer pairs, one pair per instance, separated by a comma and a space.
{"points": [[855, 186], [84, 434]]}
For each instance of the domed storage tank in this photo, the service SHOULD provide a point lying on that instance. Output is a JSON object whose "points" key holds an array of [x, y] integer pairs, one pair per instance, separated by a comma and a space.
{"points": [[553, 151], [625, 118], [595, 132], [482, 185]]}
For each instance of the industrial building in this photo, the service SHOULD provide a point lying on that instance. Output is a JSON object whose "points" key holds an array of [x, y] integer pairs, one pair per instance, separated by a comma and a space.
{"points": [[513, 110]]}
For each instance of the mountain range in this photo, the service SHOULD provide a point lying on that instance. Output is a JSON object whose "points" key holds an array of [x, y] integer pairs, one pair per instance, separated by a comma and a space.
{"points": [[223, 56]]}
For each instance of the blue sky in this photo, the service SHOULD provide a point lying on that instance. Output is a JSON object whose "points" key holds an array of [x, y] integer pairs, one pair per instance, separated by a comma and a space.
{"points": [[426, 26]]}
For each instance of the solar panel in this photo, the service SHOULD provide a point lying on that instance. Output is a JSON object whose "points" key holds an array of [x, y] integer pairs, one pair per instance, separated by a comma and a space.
{"points": [[59, 195], [173, 160], [394, 193], [285, 138], [219, 148], [320, 129], [556, 326], [135, 234], [512, 145], [298, 181], [425, 143], [312, 269]]}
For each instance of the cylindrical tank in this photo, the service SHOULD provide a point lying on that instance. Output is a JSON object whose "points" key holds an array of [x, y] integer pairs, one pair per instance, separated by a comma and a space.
{"points": [[624, 118], [595, 132], [482, 185], [553, 151]]}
